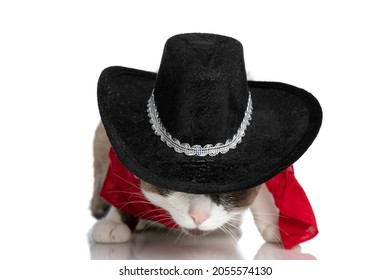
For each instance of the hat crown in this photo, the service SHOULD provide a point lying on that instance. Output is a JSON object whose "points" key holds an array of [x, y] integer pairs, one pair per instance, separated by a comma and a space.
{"points": [[201, 91]]}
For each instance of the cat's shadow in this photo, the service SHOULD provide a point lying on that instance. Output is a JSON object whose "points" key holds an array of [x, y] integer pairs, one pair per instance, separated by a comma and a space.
{"points": [[152, 246]]}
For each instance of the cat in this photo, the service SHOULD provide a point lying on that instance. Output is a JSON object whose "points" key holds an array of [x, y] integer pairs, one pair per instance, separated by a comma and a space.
{"points": [[198, 215]]}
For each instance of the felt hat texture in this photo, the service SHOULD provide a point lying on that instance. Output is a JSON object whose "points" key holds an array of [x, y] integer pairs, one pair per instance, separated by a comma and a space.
{"points": [[201, 102]]}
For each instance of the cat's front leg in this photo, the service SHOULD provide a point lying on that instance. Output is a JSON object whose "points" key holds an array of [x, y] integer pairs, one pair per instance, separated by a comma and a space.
{"points": [[266, 215], [111, 229]]}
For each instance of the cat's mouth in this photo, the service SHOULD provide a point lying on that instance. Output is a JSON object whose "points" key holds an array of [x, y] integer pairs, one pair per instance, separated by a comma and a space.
{"points": [[196, 232]]}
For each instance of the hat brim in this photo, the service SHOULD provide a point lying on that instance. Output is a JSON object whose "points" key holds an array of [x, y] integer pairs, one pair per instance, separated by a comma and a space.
{"points": [[285, 122]]}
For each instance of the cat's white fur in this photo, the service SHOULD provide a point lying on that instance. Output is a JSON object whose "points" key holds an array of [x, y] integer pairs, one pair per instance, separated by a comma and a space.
{"points": [[190, 211], [110, 229]]}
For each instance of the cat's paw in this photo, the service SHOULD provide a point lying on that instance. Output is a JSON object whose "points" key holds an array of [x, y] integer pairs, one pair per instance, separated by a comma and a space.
{"points": [[108, 231], [271, 233]]}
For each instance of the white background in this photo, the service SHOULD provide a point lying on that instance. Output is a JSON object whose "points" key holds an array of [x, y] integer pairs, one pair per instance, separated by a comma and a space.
{"points": [[51, 55]]}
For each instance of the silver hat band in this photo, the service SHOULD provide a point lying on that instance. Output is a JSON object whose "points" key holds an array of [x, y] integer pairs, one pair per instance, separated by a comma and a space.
{"points": [[198, 150]]}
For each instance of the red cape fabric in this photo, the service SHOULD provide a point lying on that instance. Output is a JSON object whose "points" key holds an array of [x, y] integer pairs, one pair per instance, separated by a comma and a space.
{"points": [[297, 222]]}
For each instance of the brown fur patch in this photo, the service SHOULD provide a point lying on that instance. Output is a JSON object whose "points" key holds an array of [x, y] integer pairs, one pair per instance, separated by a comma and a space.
{"points": [[154, 189], [101, 146], [128, 219], [240, 199]]}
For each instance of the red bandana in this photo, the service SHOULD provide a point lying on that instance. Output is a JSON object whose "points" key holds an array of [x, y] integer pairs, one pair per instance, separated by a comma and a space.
{"points": [[297, 222]]}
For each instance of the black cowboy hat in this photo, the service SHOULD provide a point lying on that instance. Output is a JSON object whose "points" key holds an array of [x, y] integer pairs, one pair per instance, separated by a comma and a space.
{"points": [[198, 125]]}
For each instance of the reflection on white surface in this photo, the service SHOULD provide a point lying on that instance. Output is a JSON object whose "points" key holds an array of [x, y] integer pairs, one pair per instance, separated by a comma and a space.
{"points": [[162, 246], [270, 251]]}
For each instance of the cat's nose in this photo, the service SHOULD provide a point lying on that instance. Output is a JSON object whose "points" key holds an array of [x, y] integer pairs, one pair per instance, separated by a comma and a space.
{"points": [[198, 216]]}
